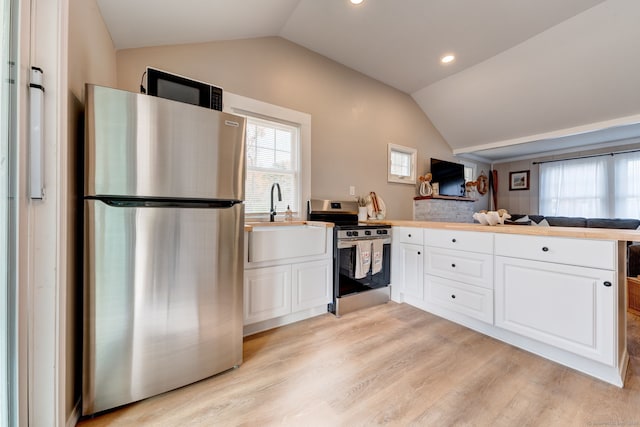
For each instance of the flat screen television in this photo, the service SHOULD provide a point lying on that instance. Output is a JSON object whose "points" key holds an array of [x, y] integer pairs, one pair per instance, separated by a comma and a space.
{"points": [[449, 176]]}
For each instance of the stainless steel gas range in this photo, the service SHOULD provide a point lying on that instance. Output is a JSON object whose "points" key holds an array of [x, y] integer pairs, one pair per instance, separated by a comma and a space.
{"points": [[361, 256]]}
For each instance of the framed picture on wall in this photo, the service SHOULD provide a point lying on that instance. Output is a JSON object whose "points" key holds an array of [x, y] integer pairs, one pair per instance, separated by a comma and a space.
{"points": [[519, 180]]}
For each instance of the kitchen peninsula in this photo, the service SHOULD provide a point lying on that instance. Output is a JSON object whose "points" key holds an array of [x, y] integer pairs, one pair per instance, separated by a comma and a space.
{"points": [[558, 292]]}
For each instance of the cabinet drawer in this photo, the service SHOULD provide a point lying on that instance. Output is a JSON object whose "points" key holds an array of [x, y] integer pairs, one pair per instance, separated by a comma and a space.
{"points": [[408, 235], [470, 300], [468, 267], [561, 250], [472, 241]]}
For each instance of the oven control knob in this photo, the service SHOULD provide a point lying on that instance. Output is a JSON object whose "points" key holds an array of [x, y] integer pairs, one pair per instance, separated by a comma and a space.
{"points": [[381, 231], [367, 232], [355, 234], [349, 234]]}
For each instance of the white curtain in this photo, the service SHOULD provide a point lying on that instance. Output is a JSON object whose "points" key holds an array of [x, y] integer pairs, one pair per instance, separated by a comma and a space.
{"points": [[627, 185], [575, 188]]}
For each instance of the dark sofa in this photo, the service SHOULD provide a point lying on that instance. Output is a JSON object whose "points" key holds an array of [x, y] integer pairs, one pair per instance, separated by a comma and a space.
{"points": [[633, 250]]}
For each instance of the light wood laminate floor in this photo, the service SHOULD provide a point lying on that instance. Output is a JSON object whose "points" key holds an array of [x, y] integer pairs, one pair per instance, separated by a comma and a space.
{"points": [[391, 364]]}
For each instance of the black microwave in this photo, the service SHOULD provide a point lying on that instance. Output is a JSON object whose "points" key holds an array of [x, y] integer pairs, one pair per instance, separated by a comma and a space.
{"points": [[178, 88]]}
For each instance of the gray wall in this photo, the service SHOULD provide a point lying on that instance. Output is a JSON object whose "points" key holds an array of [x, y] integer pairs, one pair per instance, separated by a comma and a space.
{"points": [[526, 201], [354, 117]]}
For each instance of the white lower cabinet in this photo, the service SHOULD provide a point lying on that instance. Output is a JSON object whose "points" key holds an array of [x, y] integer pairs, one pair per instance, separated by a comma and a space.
{"points": [[279, 291], [568, 307], [311, 285], [561, 298], [267, 293], [271, 292], [407, 253]]}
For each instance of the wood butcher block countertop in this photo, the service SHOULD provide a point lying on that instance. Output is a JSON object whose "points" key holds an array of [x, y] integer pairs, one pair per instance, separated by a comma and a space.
{"points": [[530, 230], [248, 226]]}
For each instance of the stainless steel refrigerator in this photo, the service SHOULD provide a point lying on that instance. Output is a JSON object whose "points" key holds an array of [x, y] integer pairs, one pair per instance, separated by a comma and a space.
{"points": [[163, 244]]}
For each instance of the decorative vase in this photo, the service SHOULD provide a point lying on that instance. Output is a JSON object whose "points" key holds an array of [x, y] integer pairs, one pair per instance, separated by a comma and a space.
{"points": [[425, 188], [362, 213]]}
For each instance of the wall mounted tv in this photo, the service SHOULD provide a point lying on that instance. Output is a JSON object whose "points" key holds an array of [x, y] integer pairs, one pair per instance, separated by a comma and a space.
{"points": [[449, 176]]}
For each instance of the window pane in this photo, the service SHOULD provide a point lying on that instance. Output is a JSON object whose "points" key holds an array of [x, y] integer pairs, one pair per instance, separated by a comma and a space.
{"points": [[400, 163], [258, 191], [272, 149], [627, 185], [468, 174]]}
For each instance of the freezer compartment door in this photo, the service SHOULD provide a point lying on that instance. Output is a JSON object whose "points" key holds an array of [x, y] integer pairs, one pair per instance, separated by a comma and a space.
{"points": [[162, 299], [141, 145]]}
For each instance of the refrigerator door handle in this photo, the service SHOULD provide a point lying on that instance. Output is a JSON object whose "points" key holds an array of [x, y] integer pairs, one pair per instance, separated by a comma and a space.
{"points": [[140, 202]]}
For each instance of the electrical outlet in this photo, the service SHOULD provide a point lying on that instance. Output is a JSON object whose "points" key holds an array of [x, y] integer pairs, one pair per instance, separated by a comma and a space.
{"points": [[352, 190]]}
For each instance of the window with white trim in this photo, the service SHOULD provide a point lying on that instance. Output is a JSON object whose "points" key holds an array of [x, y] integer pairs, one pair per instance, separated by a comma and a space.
{"points": [[278, 150], [402, 164]]}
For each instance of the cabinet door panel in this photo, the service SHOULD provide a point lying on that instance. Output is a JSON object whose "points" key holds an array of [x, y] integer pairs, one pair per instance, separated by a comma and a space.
{"points": [[469, 267], [565, 306], [311, 285], [411, 270], [267, 293]]}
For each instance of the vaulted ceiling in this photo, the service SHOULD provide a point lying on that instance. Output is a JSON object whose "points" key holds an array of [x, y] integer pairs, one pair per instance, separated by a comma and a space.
{"points": [[524, 70]]}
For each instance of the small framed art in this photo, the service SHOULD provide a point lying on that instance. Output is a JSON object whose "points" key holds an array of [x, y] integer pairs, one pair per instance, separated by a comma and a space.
{"points": [[519, 180]]}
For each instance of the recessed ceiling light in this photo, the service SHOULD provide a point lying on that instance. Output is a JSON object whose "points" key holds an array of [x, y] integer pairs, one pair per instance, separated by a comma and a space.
{"points": [[356, 1], [447, 59]]}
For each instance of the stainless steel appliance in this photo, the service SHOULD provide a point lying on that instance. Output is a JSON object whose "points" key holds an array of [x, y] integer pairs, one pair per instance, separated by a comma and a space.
{"points": [[163, 244], [350, 292]]}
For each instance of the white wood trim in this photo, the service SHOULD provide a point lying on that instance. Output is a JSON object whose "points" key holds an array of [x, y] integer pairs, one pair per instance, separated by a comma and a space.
{"points": [[47, 274], [560, 133]]}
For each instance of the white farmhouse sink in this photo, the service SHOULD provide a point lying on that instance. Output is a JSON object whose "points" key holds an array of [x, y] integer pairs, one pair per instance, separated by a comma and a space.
{"points": [[267, 243]]}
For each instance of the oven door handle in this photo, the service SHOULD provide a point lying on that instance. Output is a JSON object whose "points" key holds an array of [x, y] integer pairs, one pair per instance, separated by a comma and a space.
{"points": [[343, 244]]}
